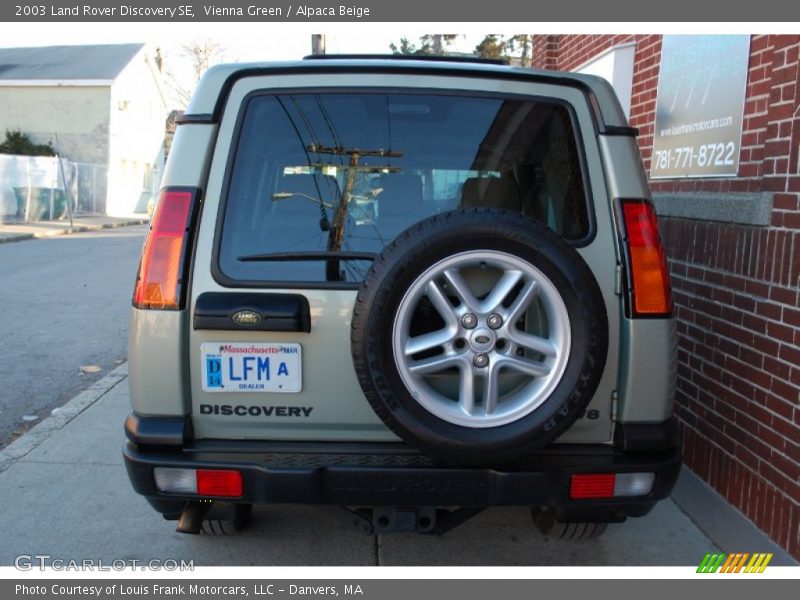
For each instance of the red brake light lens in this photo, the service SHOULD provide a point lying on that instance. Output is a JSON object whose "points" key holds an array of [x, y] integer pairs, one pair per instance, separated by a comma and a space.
{"points": [[593, 485], [158, 285], [219, 483], [651, 294]]}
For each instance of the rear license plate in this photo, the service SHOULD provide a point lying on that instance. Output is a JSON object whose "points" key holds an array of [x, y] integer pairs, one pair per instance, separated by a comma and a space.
{"points": [[246, 367]]}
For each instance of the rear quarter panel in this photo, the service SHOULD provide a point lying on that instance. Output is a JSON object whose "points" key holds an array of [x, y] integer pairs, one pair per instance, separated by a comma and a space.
{"points": [[648, 362], [158, 374]]}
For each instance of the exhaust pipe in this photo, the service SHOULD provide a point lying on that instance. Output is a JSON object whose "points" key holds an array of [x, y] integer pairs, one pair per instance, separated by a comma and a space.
{"points": [[192, 517]]}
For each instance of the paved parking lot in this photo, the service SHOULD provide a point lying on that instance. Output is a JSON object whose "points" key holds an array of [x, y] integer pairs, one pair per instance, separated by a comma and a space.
{"points": [[68, 495]]}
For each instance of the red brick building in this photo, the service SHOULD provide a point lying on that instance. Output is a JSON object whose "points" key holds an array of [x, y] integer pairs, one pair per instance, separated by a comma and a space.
{"points": [[734, 252]]}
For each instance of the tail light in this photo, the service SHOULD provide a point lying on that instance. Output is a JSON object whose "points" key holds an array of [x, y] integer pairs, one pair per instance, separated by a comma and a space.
{"points": [[163, 269], [219, 483], [610, 485], [594, 485], [648, 275], [203, 482]]}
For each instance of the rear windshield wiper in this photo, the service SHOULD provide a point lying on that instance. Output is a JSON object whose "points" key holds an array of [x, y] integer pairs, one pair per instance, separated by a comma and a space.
{"points": [[291, 256]]}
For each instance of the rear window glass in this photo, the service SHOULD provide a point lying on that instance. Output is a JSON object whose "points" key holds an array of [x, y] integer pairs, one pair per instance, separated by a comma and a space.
{"points": [[321, 182]]}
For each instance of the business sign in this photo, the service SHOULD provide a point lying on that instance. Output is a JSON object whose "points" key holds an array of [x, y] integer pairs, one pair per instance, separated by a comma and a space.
{"points": [[700, 106]]}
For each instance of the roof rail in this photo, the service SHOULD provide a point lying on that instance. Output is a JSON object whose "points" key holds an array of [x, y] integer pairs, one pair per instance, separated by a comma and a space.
{"points": [[465, 58]]}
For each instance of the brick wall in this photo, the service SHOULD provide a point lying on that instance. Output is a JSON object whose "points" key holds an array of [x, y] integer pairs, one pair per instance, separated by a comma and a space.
{"points": [[735, 286]]}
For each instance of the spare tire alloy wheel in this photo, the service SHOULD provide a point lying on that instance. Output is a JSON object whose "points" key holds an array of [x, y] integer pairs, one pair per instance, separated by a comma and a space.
{"points": [[479, 336]]}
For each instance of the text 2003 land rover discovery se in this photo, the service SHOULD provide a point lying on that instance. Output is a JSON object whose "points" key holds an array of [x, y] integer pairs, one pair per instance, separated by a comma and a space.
{"points": [[415, 289]]}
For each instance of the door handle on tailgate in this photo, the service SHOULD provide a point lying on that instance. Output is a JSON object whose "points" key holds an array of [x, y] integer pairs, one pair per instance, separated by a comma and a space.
{"points": [[242, 311]]}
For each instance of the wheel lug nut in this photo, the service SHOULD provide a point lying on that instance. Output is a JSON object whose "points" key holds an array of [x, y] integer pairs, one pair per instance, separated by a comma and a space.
{"points": [[480, 360], [469, 321], [494, 321]]}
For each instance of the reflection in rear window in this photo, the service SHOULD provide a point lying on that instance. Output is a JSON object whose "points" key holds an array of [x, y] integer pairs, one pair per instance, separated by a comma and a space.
{"points": [[321, 183]]}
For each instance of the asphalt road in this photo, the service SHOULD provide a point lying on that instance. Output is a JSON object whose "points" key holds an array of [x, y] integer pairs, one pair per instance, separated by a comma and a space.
{"points": [[64, 304]]}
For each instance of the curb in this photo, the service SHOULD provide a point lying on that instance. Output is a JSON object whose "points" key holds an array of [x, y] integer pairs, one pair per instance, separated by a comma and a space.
{"points": [[66, 413], [726, 526], [68, 230]]}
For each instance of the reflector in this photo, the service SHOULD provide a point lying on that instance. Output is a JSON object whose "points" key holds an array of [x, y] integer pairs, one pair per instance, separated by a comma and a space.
{"points": [[219, 483], [634, 484], [592, 485], [175, 481]]}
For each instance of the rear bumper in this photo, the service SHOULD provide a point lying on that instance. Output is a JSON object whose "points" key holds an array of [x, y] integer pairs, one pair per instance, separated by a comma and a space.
{"points": [[393, 475]]}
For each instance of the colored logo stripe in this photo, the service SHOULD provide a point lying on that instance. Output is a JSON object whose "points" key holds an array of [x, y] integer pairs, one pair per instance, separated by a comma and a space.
{"points": [[758, 563], [710, 563], [740, 564], [733, 563], [732, 558]]}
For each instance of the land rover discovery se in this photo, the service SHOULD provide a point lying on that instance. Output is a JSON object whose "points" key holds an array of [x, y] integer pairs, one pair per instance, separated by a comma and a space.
{"points": [[412, 288]]}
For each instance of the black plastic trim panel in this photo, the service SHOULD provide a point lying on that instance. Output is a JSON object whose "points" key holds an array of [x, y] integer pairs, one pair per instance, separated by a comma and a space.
{"points": [[647, 437], [196, 118], [152, 431], [364, 480], [424, 57], [619, 130], [243, 311]]}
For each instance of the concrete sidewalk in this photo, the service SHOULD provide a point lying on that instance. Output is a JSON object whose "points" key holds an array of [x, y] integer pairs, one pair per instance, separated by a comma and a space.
{"points": [[64, 492], [17, 232]]}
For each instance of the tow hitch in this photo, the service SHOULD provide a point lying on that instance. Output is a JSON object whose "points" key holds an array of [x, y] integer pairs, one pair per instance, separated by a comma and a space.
{"points": [[428, 520]]}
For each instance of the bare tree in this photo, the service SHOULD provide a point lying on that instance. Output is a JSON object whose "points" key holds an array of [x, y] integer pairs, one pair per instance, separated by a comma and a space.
{"points": [[201, 54], [524, 43]]}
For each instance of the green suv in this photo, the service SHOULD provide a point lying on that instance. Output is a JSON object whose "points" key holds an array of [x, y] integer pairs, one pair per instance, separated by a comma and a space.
{"points": [[413, 288]]}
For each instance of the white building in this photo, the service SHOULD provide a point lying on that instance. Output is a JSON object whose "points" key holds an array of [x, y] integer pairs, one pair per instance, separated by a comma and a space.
{"points": [[98, 105]]}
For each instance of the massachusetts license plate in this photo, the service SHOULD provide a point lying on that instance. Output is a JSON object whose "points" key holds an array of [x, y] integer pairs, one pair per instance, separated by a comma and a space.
{"points": [[246, 367]]}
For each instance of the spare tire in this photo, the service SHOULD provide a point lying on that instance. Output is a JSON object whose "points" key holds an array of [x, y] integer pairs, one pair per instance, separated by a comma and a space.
{"points": [[479, 336]]}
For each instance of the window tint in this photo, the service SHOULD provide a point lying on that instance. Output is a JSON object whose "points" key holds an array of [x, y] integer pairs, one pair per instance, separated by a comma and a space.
{"points": [[321, 182]]}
